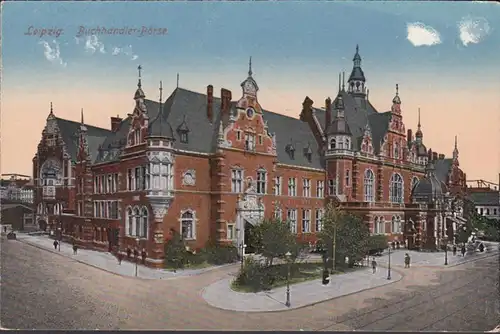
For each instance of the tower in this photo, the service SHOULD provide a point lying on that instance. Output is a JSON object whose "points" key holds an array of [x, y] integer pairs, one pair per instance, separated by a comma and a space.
{"points": [[357, 80]]}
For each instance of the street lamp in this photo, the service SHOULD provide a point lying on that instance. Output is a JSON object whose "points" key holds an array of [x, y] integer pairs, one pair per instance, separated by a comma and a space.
{"points": [[389, 265], [288, 255], [446, 251], [242, 246], [136, 253]]}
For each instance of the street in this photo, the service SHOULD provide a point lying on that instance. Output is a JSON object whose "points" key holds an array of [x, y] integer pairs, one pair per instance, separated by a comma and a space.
{"points": [[43, 290]]}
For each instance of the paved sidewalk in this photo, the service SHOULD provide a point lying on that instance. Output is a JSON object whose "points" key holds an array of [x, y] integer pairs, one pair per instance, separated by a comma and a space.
{"points": [[106, 261], [428, 259], [220, 294]]}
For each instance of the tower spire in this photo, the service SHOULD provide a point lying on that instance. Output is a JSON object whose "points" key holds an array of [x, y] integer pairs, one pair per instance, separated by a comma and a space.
{"points": [[340, 82], [177, 81], [419, 134], [139, 68], [419, 125], [160, 108], [81, 121], [343, 80], [396, 99], [455, 151], [51, 109], [250, 67]]}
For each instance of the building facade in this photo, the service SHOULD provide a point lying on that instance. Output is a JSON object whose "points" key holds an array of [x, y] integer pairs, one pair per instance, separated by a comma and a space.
{"points": [[486, 200], [16, 188], [212, 167]]}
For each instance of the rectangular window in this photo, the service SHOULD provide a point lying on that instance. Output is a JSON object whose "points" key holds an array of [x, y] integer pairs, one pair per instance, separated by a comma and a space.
{"points": [[137, 177], [103, 209], [96, 210], [236, 180], [347, 178], [143, 177], [230, 232], [332, 187], [102, 184], [306, 187], [278, 214], [249, 141], [481, 211], [238, 135], [320, 189], [292, 220], [260, 139], [319, 220], [277, 185], [306, 221], [80, 208], [292, 186], [96, 185], [130, 180], [495, 212], [109, 210], [261, 182], [110, 183], [114, 185]]}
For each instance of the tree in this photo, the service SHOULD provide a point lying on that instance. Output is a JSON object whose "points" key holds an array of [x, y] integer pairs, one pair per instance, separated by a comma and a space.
{"points": [[344, 235], [273, 239], [175, 251], [377, 243]]}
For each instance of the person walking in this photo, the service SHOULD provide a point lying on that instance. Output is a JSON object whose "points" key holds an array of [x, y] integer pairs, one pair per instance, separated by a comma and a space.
{"points": [[374, 265], [129, 252], [463, 251], [407, 260], [143, 256], [55, 244], [454, 250], [75, 249], [119, 257]]}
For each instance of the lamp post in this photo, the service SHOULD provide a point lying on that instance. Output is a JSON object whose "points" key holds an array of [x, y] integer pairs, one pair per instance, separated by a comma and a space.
{"points": [[242, 246], [389, 265], [136, 253], [446, 251], [287, 303]]}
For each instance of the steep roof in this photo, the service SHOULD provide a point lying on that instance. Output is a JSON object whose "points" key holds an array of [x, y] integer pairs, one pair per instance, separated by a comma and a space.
{"points": [[485, 197], [442, 169], [185, 109], [69, 133]]}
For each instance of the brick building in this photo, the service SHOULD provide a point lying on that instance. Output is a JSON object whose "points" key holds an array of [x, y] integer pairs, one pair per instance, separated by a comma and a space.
{"points": [[212, 167]]}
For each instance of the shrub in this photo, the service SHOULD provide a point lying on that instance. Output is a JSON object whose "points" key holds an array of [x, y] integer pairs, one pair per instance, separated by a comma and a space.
{"points": [[220, 254], [255, 276], [176, 255], [377, 244]]}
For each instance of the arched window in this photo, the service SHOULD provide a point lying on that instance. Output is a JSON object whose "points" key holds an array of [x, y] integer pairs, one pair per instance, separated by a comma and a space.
{"points": [[414, 182], [144, 223], [396, 189], [188, 225], [130, 221], [333, 143], [369, 186], [137, 222], [379, 225], [396, 224], [347, 144], [396, 151]]}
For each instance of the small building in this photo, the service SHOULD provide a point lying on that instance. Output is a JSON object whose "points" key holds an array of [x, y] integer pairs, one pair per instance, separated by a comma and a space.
{"points": [[17, 216], [486, 200]]}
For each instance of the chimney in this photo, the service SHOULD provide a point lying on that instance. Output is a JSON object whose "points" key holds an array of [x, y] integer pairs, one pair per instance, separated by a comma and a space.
{"points": [[441, 157], [429, 154], [434, 156], [210, 102], [226, 97], [115, 123], [328, 112], [409, 136]]}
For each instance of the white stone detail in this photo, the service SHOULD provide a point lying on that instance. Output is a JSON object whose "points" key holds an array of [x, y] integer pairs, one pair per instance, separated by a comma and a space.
{"points": [[160, 208], [189, 177]]}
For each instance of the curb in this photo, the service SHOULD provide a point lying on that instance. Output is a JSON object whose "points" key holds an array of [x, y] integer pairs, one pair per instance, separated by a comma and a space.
{"points": [[310, 304], [117, 274]]}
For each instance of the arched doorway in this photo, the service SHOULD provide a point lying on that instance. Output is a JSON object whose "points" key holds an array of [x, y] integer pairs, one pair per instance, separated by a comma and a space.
{"points": [[250, 248]]}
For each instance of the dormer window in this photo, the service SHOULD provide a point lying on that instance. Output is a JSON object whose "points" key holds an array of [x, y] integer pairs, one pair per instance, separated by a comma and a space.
{"points": [[333, 144], [347, 143], [308, 153], [290, 149], [137, 137], [184, 137], [183, 131]]}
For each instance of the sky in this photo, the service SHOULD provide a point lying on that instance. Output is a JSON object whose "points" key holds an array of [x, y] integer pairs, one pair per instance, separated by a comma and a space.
{"points": [[443, 55]]}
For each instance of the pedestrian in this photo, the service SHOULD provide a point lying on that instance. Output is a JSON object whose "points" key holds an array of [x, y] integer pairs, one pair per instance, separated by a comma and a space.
{"points": [[55, 244], [129, 252], [75, 249], [136, 253], [119, 257], [454, 249], [393, 245], [374, 265], [481, 247], [463, 250], [407, 260], [5, 229], [398, 245], [143, 255]]}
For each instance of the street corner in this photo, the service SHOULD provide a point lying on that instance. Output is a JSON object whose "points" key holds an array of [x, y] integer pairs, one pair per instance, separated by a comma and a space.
{"points": [[301, 294]]}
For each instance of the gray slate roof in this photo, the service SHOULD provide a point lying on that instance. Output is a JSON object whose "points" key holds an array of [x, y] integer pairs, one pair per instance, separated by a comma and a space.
{"points": [[485, 198], [185, 109], [429, 187], [442, 169], [69, 133]]}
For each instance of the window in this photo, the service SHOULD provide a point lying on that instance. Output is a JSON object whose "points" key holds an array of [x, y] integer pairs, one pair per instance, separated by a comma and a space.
{"points": [[306, 221], [184, 137], [292, 187], [130, 180], [137, 178], [277, 185], [487, 212], [230, 232], [481, 211], [96, 209], [260, 139], [333, 144], [347, 144], [261, 182], [332, 187], [236, 180], [102, 184], [109, 208], [114, 183], [396, 150], [137, 222], [306, 187], [278, 214], [396, 224], [80, 208], [103, 209], [130, 222], [495, 212], [320, 189], [379, 225], [414, 182], [96, 185], [249, 141], [292, 220], [143, 231], [319, 220], [369, 186], [188, 225], [347, 178], [238, 135], [396, 189], [137, 137]]}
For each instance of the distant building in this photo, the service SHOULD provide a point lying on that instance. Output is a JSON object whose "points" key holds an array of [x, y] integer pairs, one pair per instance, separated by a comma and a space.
{"points": [[211, 168], [486, 198], [16, 188], [17, 216]]}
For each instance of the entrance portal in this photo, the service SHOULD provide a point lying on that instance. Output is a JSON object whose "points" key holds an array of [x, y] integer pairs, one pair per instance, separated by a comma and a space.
{"points": [[250, 249]]}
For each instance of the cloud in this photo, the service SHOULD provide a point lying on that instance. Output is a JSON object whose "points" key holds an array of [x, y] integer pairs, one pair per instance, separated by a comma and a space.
{"points": [[473, 30], [93, 44], [126, 51], [420, 34], [52, 53]]}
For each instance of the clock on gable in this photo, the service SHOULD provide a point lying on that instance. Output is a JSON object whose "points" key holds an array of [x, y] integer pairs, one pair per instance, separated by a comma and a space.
{"points": [[250, 87], [250, 112]]}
